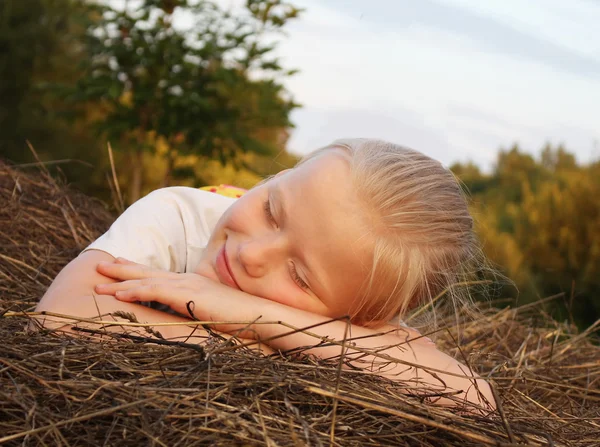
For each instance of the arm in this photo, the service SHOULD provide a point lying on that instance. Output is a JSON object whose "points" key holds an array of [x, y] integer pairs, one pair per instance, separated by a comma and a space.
{"points": [[152, 231], [72, 293], [395, 353], [387, 353]]}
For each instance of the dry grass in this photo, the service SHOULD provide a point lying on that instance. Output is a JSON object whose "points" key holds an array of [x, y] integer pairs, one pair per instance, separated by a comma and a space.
{"points": [[59, 390]]}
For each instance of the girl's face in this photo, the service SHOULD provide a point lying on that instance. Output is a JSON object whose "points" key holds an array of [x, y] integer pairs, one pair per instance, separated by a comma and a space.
{"points": [[301, 239]]}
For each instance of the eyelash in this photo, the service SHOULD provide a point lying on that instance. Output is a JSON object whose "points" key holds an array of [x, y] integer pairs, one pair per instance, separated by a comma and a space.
{"points": [[297, 278], [268, 213], [293, 272]]}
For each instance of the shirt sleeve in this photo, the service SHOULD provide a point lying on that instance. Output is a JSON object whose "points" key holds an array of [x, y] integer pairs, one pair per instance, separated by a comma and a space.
{"points": [[152, 232]]}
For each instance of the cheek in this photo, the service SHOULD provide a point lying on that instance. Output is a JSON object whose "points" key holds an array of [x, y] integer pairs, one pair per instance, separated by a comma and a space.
{"points": [[243, 215]]}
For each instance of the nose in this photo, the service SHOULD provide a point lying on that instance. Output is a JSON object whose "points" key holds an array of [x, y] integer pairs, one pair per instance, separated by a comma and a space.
{"points": [[258, 255]]}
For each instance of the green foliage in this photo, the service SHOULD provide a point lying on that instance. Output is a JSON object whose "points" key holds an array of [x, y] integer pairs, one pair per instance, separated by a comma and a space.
{"points": [[79, 74], [34, 46], [540, 221], [207, 89]]}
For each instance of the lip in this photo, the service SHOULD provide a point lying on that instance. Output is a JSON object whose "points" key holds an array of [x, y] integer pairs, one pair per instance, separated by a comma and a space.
{"points": [[224, 270]]}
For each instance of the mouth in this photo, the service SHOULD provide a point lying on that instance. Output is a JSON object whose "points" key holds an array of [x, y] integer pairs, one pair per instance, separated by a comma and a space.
{"points": [[224, 269]]}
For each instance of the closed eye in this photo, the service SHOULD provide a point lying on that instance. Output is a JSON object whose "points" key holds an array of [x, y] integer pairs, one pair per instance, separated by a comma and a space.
{"points": [[268, 213], [294, 273]]}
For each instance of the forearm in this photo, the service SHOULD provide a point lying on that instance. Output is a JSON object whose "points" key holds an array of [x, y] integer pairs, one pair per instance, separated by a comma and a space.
{"points": [[104, 313], [396, 354]]}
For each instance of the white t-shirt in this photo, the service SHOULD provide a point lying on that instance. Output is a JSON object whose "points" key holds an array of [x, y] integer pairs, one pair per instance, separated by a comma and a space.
{"points": [[168, 229]]}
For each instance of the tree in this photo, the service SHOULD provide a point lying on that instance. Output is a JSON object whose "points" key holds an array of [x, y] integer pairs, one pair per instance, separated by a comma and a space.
{"points": [[36, 44], [557, 159], [210, 88], [471, 176], [539, 220]]}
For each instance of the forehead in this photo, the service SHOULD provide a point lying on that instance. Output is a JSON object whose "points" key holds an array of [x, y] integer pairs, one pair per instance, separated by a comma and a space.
{"points": [[324, 183], [329, 224]]}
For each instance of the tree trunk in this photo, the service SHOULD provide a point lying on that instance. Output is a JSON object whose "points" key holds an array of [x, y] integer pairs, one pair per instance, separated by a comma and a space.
{"points": [[137, 171]]}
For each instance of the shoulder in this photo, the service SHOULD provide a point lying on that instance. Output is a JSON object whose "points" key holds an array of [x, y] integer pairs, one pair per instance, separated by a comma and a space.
{"points": [[192, 207], [198, 210], [186, 196], [161, 228]]}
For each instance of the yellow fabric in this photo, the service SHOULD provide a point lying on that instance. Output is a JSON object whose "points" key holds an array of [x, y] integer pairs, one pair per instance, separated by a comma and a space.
{"points": [[226, 190]]}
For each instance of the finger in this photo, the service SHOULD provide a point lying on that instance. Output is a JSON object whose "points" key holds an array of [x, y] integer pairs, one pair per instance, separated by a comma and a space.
{"points": [[175, 298], [119, 271], [140, 293], [126, 272], [112, 288]]}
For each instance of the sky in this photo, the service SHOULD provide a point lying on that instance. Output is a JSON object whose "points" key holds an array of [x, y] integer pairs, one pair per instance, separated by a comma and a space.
{"points": [[455, 79]]}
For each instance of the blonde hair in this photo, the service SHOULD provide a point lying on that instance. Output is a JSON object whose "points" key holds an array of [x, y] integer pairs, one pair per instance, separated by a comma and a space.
{"points": [[423, 236]]}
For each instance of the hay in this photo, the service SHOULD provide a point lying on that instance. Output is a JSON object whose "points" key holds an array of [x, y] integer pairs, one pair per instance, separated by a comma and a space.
{"points": [[59, 390]]}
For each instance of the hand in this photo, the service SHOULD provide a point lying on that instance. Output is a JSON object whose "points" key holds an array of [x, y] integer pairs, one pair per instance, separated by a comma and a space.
{"points": [[183, 292]]}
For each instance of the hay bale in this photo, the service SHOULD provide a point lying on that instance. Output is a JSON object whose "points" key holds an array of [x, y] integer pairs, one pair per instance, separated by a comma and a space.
{"points": [[43, 225], [59, 390]]}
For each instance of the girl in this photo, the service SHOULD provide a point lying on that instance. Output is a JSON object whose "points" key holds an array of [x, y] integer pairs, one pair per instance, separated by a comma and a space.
{"points": [[362, 228]]}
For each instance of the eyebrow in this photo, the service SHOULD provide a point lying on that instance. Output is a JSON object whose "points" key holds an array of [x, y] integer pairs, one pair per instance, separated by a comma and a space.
{"points": [[279, 204]]}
